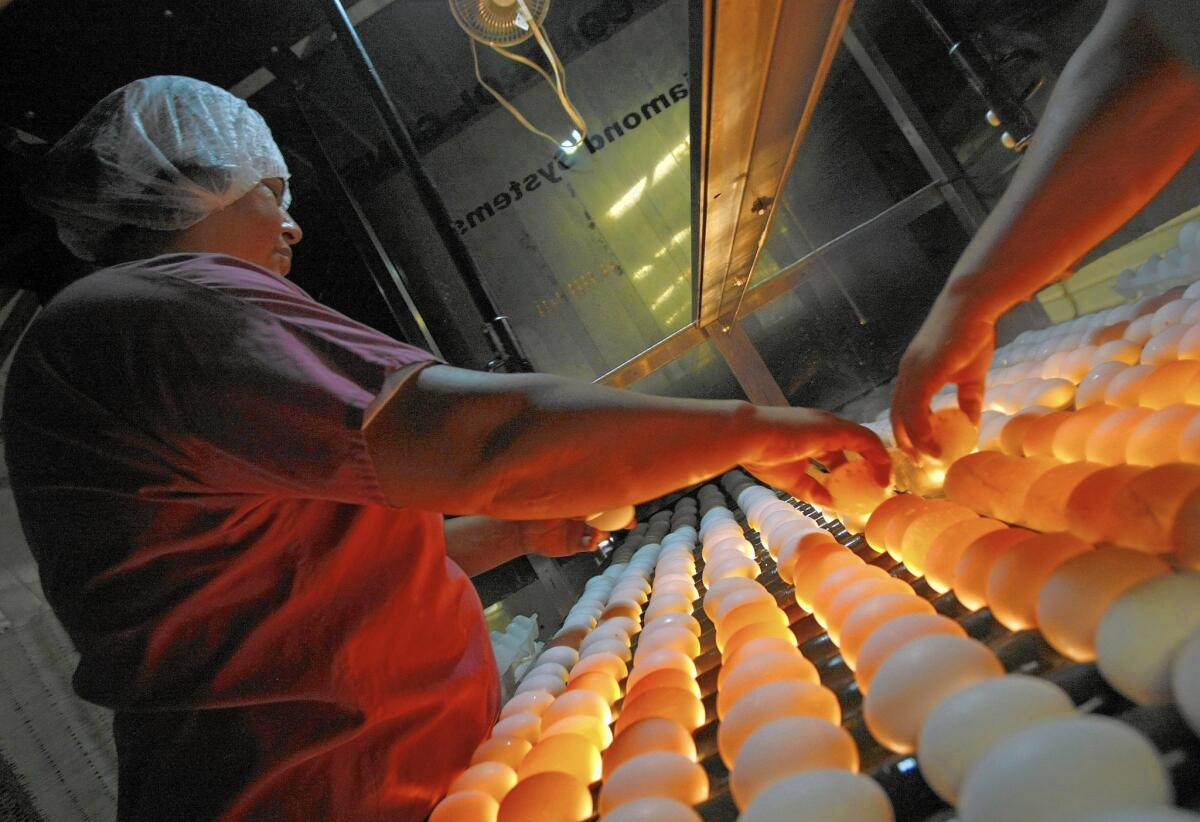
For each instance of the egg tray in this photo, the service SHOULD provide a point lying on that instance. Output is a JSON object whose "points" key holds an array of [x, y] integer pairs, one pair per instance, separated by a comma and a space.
{"points": [[1024, 652]]}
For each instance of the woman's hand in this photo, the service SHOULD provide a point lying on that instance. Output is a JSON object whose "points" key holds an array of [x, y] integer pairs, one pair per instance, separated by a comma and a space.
{"points": [[555, 537], [954, 345]]}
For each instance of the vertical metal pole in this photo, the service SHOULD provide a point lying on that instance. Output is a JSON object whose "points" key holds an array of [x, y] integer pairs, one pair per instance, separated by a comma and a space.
{"points": [[509, 355], [747, 364]]}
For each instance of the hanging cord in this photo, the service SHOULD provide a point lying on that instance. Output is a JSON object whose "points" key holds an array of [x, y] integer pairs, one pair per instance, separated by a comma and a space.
{"points": [[558, 82]]}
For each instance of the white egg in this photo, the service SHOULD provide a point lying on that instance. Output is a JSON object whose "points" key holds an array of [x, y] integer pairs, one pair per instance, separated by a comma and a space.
{"points": [[1064, 769], [559, 654], [821, 796], [1141, 631], [963, 726], [1185, 680]]}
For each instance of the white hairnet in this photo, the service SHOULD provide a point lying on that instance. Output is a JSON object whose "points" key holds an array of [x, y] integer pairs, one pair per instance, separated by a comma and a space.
{"points": [[160, 153]]}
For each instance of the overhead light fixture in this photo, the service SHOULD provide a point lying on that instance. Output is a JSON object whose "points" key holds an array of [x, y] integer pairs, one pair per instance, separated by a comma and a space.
{"points": [[628, 199]]}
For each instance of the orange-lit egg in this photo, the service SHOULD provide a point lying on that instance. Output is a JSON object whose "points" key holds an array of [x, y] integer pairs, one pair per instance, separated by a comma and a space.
{"points": [[1140, 329], [1102, 334], [619, 608], [466, 806], [964, 725], [975, 566], [1070, 438], [1016, 577], [836, 581], [810, 570], [1077, 363], [608, 629], [1125, 388], [759, 630], [893, 635], [676, 704], [606, 647], [664, 678], [788, 746], [1170, 314], [1164, 346], [550, 796], [1012, 436], [915, 678], [854, 595], [577, 702], [1157, 438], [652, 809], [1045, 507], [645, 736], [821, 796], [954, 434], [804, 546], [522, 726], [1094, 386], [1039, 436], [720, 531], [733, 600], [854, 489], [1077, 593], [942, 558], [596, 732], [1055, 393], [611, 664], [1092, 510], [734, 565], [749, 614], [563, 753], [873, 613], [656, 774], [562, 655], [730, 662], [677, 637], [493, 778], [738, 545], [769, 702], [1169, 384], [723, 588], [1052, 365], [882, 516], [893, 539], [1189, 344], [1189, 443], [507, 750], [661, 658], [530, 702], [1109, 439], [922, 531], [991, 424], [751, 672], [994, 484], [600, 683], [790, 531], [1158, 512]]}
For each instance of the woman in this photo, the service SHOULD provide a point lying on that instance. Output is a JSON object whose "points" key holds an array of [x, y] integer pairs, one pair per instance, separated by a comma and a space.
{"points": [[235, 495]]}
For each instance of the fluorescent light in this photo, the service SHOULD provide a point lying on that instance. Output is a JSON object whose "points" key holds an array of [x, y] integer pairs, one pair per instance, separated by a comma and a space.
{"points": [[641, 272], [680, 236], [662, 298], [628, 199]]}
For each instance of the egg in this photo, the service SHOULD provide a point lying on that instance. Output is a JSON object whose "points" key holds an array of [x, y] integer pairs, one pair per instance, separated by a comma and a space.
{"points": [[1070, 438], [807, 547], [873, 613], [611, 664], [993, 484], [1159, 508], [677, 704], [646, 736], [821, 796], [1056, 393], [731, 565], [759, 630], [747, 595], [854, 489], [1018, 575], [915, 678], [839, 579], [1125, 388], [893, 538], [922, 531], [507, 750], [1189, 344], [600, 683], [1045, 507], [664, 678], [1169, 384], [1156, 439], [790, 532], [1110, 439], [561, 655], [769, 702], [549, 797], [622, 608], [1185, 680], [894, 634], [810, 569], [661, 658], [751, 650], [1104, 333], [738, 544], [466, 806], [723, 588], [525, 726], [493, 778], [608, 629], [529, 702], [762, 669], [1076, 364], [563, 753], [1077, 593], [975, 565], [657, 774], [1039, 436], [847, 601], [1092, 505], [679, 638], [1012, 435], [1141, 631], [589, 727], [1094, 386], [945, 552], [606, 647], [613, 520], [1140, 330], [1164, 346], [652, 809], [882, 516], [577, 702], [1039, 774], [749, 614], [785, 747]]}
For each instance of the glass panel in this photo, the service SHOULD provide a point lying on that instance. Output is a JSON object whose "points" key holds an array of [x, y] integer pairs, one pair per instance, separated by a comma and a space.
{"points": [[587, 250], [700, 373], [853, 163], [841, 332]]}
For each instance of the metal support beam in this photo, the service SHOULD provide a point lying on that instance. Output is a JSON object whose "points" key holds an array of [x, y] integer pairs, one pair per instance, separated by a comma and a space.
{"points": [[746, 364], [558, 590], [938, 162]]}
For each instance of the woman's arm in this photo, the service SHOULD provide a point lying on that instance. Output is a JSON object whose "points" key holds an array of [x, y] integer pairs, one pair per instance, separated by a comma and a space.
{"points": [[1120, 123], [532, 446], [478, 544]]}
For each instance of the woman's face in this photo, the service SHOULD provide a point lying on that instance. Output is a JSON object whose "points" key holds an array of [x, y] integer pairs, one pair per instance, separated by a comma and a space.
{"points": [[256, 228]]}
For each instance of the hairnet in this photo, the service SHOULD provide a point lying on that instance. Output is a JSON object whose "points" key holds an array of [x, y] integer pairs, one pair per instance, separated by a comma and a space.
{"points": [[160, 153]]}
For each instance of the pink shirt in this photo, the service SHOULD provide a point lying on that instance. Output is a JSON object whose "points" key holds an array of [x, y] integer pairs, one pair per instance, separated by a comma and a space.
{"points": [[183, 436]]}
